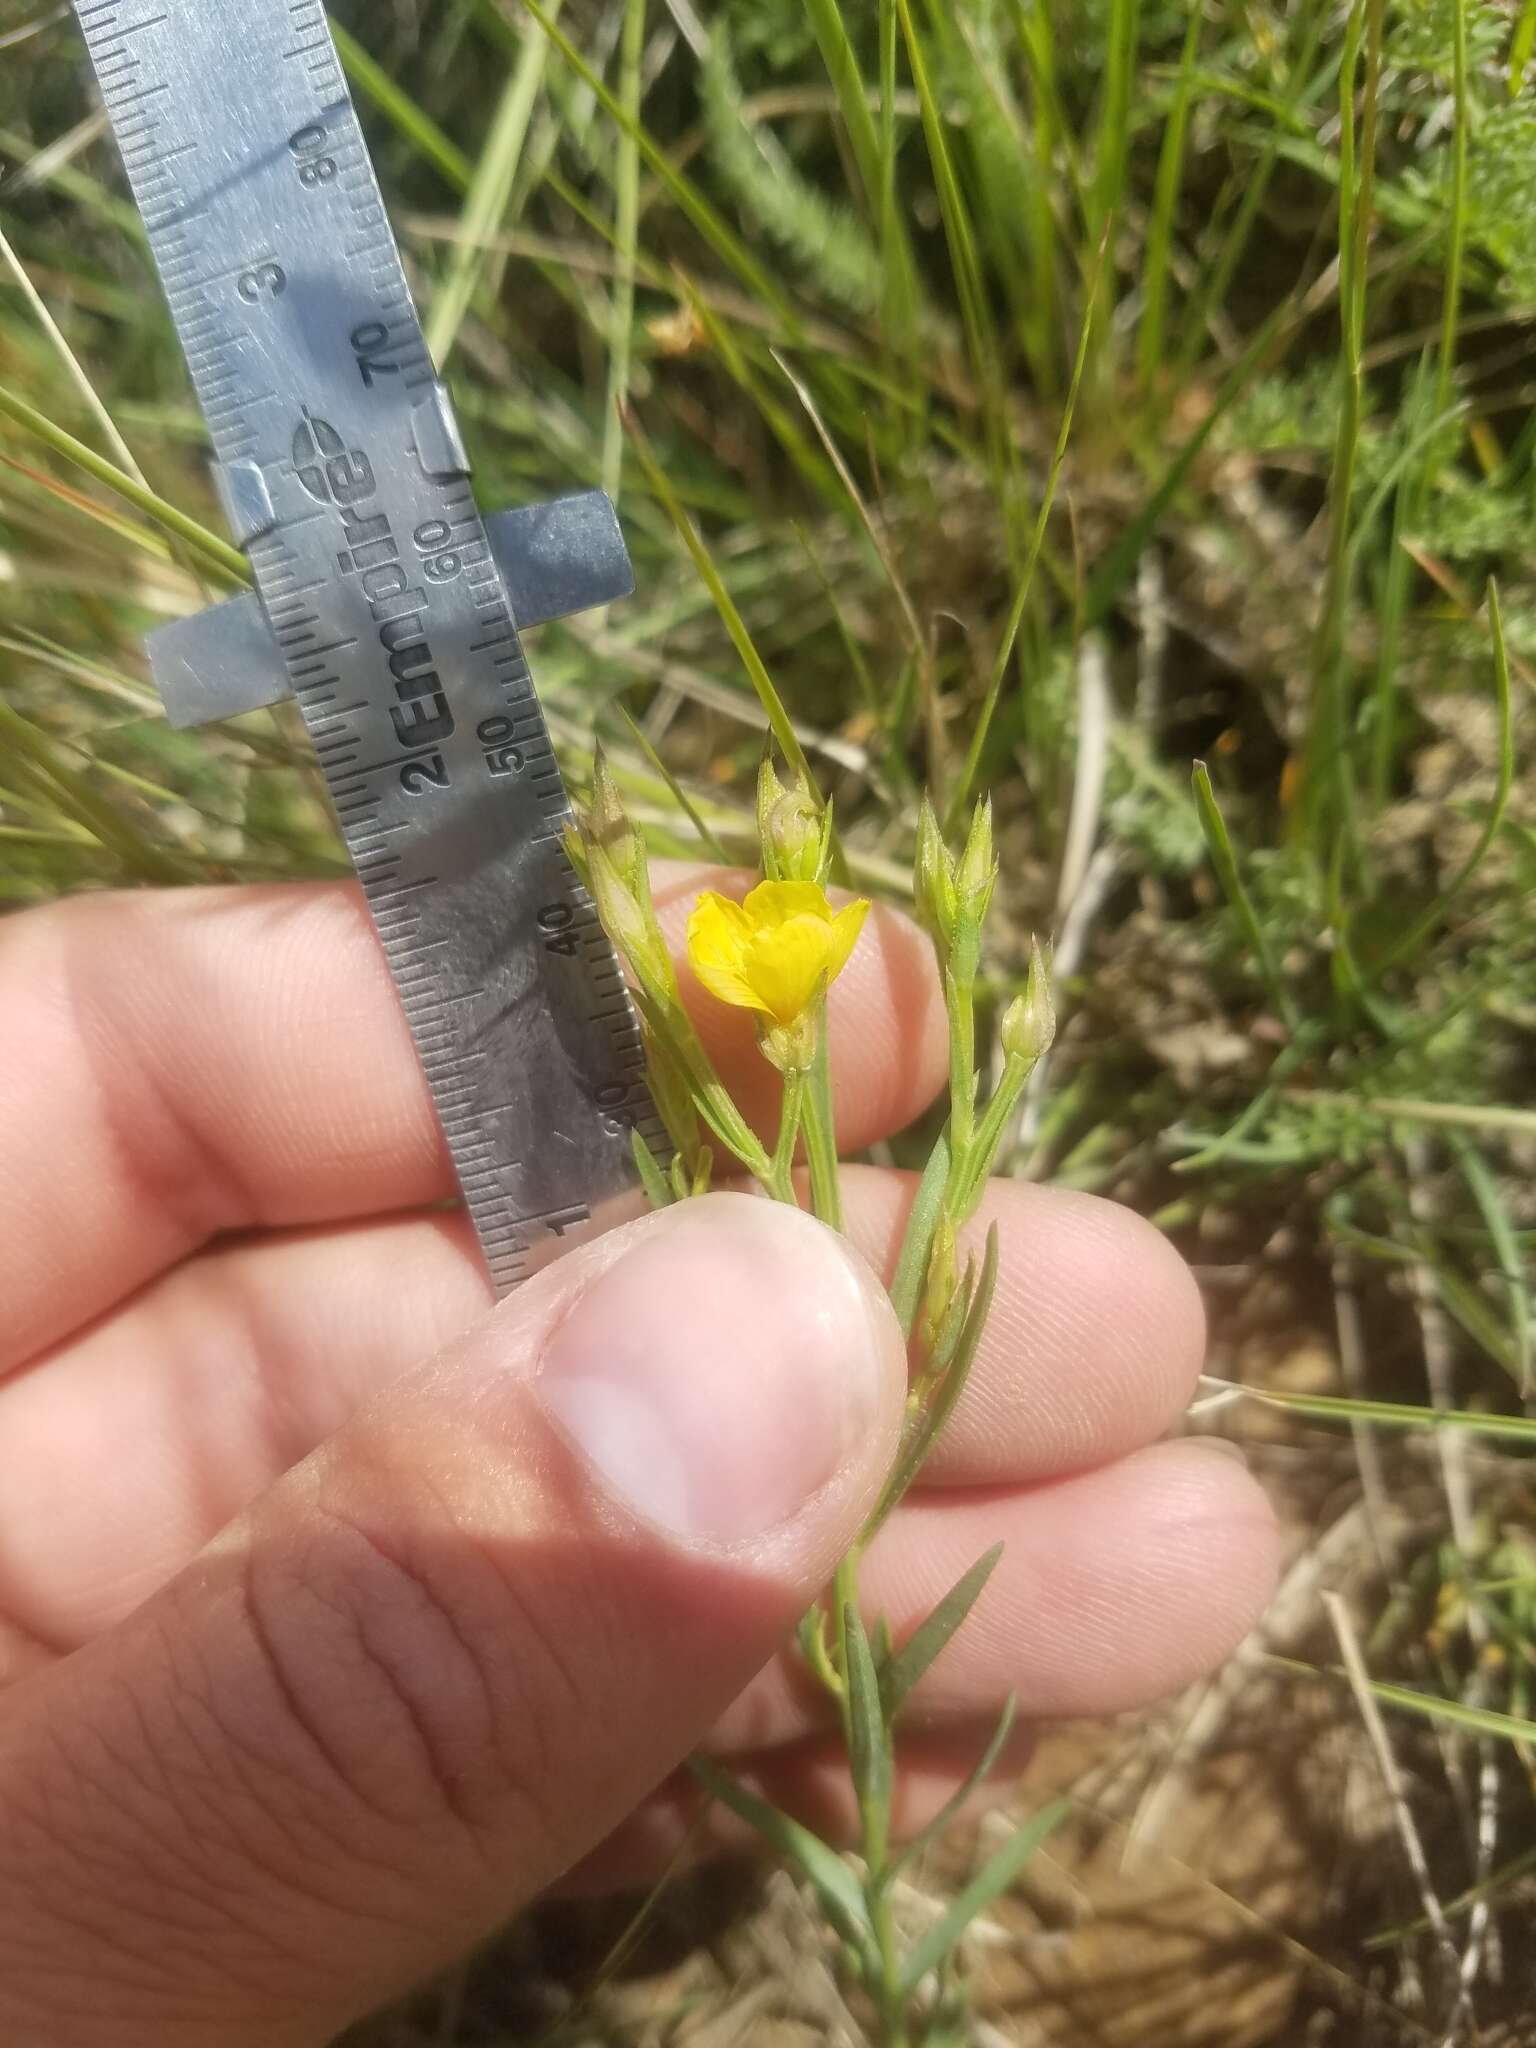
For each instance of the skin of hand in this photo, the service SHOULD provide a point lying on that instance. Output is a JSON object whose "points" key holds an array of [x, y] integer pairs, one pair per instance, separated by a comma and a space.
{"points": [[342, 1610]]}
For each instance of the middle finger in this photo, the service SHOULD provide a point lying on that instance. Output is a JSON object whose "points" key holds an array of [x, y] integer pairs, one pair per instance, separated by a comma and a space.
{"points": [[236, 1365]]}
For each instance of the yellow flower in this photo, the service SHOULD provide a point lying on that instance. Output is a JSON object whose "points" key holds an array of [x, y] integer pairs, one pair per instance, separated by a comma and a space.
{"points": [[775, 951]]}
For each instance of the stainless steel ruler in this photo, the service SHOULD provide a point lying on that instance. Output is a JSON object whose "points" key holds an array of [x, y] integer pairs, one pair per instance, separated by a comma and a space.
{"points": [[384, 603]]}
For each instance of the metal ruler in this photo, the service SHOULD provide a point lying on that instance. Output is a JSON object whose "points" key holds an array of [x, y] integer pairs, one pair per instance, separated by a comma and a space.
{"points": [[384, 603]]}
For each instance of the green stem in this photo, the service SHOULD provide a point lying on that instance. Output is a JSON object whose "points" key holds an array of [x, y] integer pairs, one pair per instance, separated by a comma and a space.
{"points": [[845, 1592], [780, 1179], [961, 992], [889, 1996], [821, 1137]]}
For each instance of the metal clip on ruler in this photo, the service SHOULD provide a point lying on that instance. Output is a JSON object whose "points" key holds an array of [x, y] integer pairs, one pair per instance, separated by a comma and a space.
{"points": [[383, 603]]}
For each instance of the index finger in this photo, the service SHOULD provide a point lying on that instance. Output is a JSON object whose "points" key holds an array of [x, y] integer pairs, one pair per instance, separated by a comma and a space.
{"points": [[180, 1064]]}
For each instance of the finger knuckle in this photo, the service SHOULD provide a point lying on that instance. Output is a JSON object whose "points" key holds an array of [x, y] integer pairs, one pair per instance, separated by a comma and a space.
{"points": [[386, 1646]]}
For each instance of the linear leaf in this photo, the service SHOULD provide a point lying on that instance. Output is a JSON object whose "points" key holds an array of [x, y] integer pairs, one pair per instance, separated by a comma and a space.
{"points": [[907, 1665], [1224, 860], [977, 1776], [823, 1869], [994, 1878], [917, 1239], [869, 1742]]}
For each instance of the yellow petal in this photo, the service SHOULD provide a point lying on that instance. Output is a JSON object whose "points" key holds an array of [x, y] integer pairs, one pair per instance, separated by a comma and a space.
{"points": [[844, 935], [719, 934], [785, 965], [774, 903]]}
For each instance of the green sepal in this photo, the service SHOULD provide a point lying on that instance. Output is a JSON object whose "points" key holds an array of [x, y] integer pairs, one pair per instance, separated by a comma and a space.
{"points": [[657, 1190], [917, 1446]]}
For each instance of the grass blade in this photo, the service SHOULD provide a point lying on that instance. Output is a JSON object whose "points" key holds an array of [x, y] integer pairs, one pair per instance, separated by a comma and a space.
{"points": [[727, 245], [471, 263], [1224, 860], [1423, 925], [779, 721], [418, 128], [1392, 1414], [207, 544], [1004, 656], [1430, 1706], [1157, 263]]}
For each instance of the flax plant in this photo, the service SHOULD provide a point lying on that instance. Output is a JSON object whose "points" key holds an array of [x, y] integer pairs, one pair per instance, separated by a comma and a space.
{"points": [[775, 954]]}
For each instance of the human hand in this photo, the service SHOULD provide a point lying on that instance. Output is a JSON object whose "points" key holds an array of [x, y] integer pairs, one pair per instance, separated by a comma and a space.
{"points": [[342, 1611]]}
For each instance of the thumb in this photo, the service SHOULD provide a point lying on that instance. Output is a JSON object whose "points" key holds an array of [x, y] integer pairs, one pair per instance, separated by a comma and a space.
{"points": [[449, 1652]]}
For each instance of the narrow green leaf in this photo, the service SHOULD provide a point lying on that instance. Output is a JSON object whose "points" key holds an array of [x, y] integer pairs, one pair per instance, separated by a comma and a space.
{"points": [[1224, 860], [707, 837], [1158, 261], [1397, 1414], [993, 1879], [917, 1239], [710, 224], [773, 705], [1521, 43], [471, 263], [1431, 1706], [1501, 1232], [1423, 925], [626, 233], [1004, 656], [1456, 238], [906, 1666], [823, 1869], [975, 310], [869, 1742], [980, 1771], [207, 544], [418, 128], [1113, 141]]}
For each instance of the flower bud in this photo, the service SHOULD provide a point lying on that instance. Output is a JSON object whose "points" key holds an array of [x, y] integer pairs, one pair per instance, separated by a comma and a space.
{"points": [[792, 826], [976, 876], [608, 830], [1029, 1022], [943, 1279], [933, 880], [624, 916], [612, 863]]}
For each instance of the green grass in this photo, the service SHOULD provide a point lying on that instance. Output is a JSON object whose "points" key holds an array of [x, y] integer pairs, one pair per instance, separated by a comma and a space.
{"points": [[938, 350]]}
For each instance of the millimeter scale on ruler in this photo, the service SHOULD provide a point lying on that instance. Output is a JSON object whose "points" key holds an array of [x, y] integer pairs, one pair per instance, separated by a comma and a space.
{"points": [[384, 603]]}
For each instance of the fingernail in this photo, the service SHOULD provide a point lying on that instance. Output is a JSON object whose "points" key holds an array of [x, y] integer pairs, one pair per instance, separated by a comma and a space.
{"points": [[1222, 1445], [721, 1372]]}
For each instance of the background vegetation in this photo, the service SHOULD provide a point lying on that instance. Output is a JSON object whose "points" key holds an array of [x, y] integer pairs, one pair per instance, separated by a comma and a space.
{"points": [[1048, 396]]}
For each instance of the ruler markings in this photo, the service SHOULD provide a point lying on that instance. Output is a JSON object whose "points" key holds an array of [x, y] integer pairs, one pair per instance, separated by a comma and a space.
{"points": [[464, 873]]}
